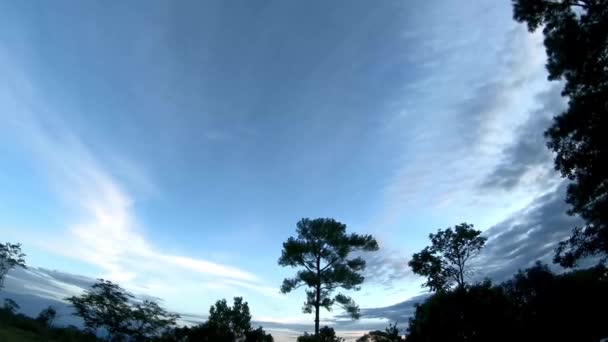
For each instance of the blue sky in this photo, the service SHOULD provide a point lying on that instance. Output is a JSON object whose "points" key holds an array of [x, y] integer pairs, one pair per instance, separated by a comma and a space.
{"points": [[172, 146]]}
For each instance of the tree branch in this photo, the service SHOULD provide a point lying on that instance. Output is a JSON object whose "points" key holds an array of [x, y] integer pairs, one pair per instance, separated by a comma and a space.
{"points": [[329, 264]]}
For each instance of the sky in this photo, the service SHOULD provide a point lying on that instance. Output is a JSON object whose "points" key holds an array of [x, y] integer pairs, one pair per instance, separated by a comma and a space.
{"points": [[171, 146]]}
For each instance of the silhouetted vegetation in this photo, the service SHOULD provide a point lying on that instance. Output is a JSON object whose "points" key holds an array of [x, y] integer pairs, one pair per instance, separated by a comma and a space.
{"points": [[536, 305], [47, 316], [321, 250], [325, 334], [576, 41], [225, 324], [18, 327], [105, 306], [10, 257], [109, 307], [470, 313], [148, 319], [445, 261], [10, 306], [390, 334], [109, 310]]}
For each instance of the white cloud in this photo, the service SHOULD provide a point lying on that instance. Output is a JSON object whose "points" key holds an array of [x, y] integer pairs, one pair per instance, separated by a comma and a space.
{"points": [[105, 230], [459, 137]]}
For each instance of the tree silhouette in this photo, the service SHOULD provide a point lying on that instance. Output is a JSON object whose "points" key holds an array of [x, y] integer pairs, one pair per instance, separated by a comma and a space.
{"points": [[227, 324], [476, 313], [535, 305], [576, 41], [105, 305], [11, 306], [258, 335], [390, 334], [149, 319], [445, 262], [10, 257], [574, 302], [326, 334], [321, 250], [47, 316], [235, 319]]}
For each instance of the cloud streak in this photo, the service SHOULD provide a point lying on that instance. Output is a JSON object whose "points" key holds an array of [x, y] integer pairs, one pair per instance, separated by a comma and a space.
{"points": [[527, 236], [385, 267], [35, 289], [105, 231], [527, 161], [516, 243], [467, 133]]}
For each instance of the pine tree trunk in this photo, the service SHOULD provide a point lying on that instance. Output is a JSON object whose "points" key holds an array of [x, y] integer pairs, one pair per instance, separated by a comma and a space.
{"points": [[317, 311], [318, 296]]}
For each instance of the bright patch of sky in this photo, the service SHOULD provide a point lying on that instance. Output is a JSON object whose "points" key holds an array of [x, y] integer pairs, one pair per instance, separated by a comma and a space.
{"points": [[171, 146]]}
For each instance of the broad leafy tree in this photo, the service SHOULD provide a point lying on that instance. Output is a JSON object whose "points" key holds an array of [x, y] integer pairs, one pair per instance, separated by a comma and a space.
{"points": [[321, 251], [445, 262], [110, 307], [105, 305], [148, 319], [576, 41], [227, 324], [235, 319], [10, 257]]}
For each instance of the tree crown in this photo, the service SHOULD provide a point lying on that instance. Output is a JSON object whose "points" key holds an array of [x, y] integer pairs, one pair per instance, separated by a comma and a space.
{"points": [[576, 42], [11, 256], [446, 261], [322, 250]]}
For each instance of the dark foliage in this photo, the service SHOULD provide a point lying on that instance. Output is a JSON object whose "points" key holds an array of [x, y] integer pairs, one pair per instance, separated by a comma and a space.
{"points": [[576, 41], [321, 251], [225, 324], [258, 335], [390, 334], [235, 320], [567, 307], [47, 316], [474, 313], [535, 305], [326, 334], [108, 306], [445, 262], [11, 306], [105, 305], [18, 323], [10, 257], [178, 334], [148, 319]]}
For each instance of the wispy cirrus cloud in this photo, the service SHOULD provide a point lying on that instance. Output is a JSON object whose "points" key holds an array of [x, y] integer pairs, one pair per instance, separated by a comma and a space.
{"points": [[527, 236], [527, 161], [37, 288], [516, 243], [463, 136], [104, 229], [386, 267]]}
